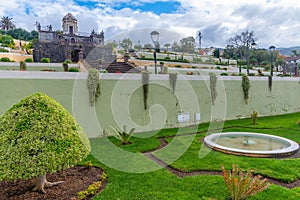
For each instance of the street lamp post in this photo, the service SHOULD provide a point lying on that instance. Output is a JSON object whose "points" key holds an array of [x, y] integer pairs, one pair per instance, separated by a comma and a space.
{"points": [[154, 37], [272, 49]]}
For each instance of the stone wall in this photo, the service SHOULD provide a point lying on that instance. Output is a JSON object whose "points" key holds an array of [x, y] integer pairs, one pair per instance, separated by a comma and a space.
{"points": [[122, 99]]}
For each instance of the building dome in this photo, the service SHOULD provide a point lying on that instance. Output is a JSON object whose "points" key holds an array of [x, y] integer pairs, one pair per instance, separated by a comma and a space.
{"points": [[69, 17], [69, 24]]}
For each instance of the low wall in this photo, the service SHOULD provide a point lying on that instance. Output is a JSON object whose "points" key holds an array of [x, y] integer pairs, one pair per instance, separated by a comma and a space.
{"points": [[122, 98]]}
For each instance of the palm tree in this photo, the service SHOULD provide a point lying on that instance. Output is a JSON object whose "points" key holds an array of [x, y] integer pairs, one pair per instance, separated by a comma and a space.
{"points": [[7, 23], [167, 46]]}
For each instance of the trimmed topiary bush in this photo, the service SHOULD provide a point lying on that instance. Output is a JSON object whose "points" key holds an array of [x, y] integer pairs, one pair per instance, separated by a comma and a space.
{"points": [[45, 60], [29, 60], [213, 87], [5, 59], [39, 136], [23, 66], [93, 84], [246, 87]]}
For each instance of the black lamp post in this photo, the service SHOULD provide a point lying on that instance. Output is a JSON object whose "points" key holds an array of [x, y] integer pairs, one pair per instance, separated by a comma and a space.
{"points": [[272, 49], [154, 37]]}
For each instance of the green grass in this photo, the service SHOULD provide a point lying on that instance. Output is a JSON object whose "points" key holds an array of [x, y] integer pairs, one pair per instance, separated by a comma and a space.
{"points": [[162, 184]]}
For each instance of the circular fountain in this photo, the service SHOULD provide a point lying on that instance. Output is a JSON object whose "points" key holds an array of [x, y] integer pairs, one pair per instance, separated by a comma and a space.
{"points": [[251, 144]]}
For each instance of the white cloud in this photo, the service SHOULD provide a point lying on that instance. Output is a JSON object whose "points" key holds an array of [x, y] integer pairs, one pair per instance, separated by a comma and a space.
{"points": [[275, 22]]}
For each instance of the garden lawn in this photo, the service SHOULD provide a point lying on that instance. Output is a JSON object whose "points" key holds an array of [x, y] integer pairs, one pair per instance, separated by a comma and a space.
{"points": [[162, 184]]}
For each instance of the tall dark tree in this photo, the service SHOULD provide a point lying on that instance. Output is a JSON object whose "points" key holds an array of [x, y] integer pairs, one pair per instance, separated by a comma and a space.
{"points": [[7, 23], [188, 44], [242, 42], [126, 44]]}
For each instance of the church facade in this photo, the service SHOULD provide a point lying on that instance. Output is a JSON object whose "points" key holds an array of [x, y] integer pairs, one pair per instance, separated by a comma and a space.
{"points": [[67, 44]]}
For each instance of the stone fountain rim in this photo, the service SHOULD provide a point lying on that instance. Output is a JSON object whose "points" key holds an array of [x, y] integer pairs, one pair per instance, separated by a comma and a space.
{"points": [[292, 148]]}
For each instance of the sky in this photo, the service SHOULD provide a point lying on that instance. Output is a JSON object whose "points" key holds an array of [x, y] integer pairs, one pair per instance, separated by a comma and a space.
{"points": [[274, 22]]}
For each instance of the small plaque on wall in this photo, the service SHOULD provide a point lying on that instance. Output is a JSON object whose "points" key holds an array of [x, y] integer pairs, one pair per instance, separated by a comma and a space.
{"points": [[197, 116], [183, 117]]}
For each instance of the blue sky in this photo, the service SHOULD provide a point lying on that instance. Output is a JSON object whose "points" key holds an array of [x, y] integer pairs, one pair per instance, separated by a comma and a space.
{"points": [[274, 22], [158, 7]]}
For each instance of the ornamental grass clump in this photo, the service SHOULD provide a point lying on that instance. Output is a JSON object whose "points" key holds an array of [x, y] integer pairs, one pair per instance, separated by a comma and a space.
{"points": [[241, 185], [39, 136]]}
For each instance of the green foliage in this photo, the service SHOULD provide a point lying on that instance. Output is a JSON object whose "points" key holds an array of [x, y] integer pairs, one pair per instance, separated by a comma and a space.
{"points": [[7, 41], [92, 189], [39, 136], [241, 185], [172, 81], [22, 66], [246, 87], [224, 74], [5, 59], [65, 66], [73, 69], [122, 136], [254, 117], [29, 60], [145, 82], [213, 87], [93, 84], [3, 50], [68, 61], [45, 60]]}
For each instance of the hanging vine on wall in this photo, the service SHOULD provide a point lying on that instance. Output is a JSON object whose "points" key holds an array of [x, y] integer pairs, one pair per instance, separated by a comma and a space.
{"points": [[173, 79], [93, 84], [145, 82], [246, 87], [270, 83], [213, 87]]}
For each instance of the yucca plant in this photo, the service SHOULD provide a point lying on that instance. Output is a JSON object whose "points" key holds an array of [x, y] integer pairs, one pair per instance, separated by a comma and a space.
{"points": [[123, 136], [254, 117], [241, 185]]}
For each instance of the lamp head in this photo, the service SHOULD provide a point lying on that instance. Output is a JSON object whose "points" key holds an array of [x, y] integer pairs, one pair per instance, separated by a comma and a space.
{"points": [[154, 36], [272, 48]]}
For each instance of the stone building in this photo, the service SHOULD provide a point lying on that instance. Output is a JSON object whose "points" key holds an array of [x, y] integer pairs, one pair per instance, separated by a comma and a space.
{"points": [[67, 44]]}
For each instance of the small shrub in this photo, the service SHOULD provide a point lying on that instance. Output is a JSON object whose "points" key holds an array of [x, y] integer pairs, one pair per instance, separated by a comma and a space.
{"points": [[29, 60], [65, 66], [123, 136], [189, 73], [254, 117], [178, 66], [68, 61], [241, 185], [45, 60], [251, 74], [223, 74], [23, 66], [3, 50], [73, 69], [5, 59], [92, 189]]}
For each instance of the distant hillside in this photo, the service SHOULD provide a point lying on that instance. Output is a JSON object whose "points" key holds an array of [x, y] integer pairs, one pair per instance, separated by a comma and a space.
{"points": [[288, 51]]}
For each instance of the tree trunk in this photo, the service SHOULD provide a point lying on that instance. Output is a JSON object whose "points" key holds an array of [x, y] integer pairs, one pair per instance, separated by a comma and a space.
{"points": [[41, 183]]}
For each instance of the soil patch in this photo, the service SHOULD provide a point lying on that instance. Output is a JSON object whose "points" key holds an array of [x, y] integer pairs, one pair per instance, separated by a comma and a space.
{"points": [[76, 179]]}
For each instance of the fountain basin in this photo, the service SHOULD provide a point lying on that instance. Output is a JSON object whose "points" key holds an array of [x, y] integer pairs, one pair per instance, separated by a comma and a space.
{"points": [[251, 144]]}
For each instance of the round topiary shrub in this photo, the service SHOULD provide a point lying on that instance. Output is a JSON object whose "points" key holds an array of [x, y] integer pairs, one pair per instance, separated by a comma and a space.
{"points": [[23, 66], [45, 60], [5, 59], [29, 60], [39, 136]]}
